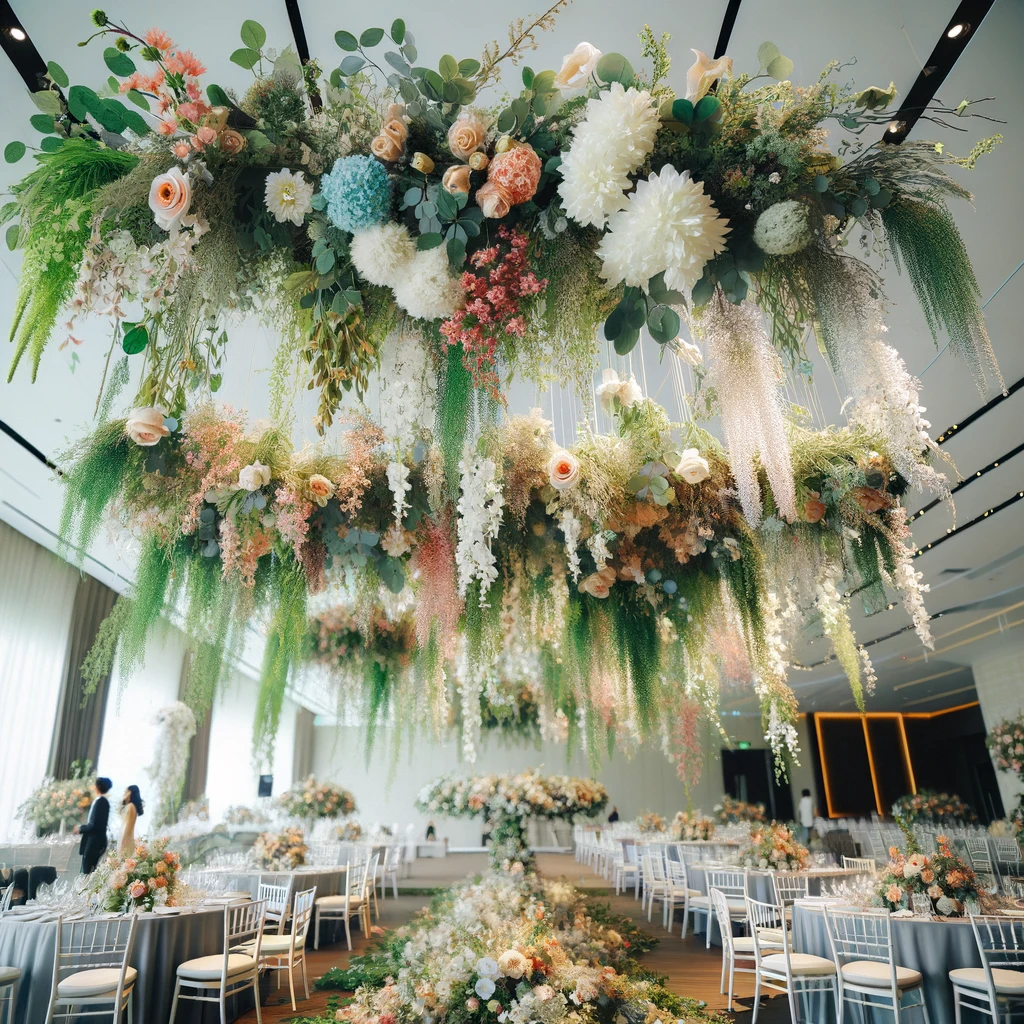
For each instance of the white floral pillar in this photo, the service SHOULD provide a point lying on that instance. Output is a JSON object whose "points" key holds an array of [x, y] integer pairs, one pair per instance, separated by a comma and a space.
{"points": [[999, 681]]}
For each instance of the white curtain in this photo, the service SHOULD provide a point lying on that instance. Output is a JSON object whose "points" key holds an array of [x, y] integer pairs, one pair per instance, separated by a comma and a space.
{"points": [[37, 592]]}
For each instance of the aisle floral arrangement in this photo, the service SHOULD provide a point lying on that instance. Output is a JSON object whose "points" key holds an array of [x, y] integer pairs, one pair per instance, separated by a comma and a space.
{"points": [[383, 220], [946, 879], [929, 807], [515, 950], [507, 801], [281, 851], [143, 880], [691, 826], [731, 811], [773, 847], [60, 802], [313, 799]]}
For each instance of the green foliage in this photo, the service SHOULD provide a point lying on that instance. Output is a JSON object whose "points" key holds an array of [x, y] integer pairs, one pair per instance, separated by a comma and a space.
{"points": [[638, 643], [55, 207], [99, 662], [456, 394], [152, 575]]}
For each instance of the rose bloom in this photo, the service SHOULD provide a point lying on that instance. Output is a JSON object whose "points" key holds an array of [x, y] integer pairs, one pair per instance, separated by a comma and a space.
{"points": [[456, 178], [518, 171], [466, 136], [146, 426], [563, 470], [894, 893], [137, 890], [205, 136], [598, 584], [385, 148], [577, 66], [231, 142], [927, 876], [321, 488], [933, 892], [693, 467], [170, 197], [395, 130], [870, 499], [494, 200], [814, 508], [160, 881]]}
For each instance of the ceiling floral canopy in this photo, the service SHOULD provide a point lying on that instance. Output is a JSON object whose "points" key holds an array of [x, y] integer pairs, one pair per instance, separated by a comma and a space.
{"points": [[393, 224]]}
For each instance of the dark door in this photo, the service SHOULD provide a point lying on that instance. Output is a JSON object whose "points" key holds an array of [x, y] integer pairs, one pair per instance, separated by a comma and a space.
{"points": [[750, 775]]}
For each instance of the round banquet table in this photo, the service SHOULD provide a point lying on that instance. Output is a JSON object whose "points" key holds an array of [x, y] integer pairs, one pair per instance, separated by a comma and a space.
{"points": [[933, 947], [161, 943], [760, 887]]}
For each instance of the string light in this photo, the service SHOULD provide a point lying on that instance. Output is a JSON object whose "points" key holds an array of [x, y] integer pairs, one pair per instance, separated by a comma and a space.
{"points": [[974, 522]]}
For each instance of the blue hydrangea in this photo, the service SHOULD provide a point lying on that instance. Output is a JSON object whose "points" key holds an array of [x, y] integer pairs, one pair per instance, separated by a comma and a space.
{"points": [[358, 193]]}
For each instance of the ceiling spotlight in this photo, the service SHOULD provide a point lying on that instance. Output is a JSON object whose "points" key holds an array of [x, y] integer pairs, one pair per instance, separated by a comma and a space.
{"points": [[896, 127], [18, 33], [957, 30]]}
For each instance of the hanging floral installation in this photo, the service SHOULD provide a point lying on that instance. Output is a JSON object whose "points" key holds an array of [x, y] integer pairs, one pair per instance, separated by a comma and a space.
{"points": [[386, 222]]}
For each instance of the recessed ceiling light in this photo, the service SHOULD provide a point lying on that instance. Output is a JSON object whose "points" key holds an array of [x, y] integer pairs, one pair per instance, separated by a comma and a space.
{"points": [[957, 30], [895, 127], [19, 34]]}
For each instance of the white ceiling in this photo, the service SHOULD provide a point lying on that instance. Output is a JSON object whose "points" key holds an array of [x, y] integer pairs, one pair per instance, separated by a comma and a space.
{"points": [[890, 41]]}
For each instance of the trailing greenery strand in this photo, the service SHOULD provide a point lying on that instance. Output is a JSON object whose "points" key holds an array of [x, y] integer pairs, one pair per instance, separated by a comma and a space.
{"points": [[454, 400], [152, 575]]}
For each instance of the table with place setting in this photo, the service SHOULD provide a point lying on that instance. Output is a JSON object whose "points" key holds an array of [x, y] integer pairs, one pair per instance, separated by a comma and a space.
{"points": [[163, 940]]}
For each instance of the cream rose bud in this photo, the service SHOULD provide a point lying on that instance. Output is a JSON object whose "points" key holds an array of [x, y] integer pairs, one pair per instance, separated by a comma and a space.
{"points": [[612, 388], [466, 136], [479, 161], [385, 148], [170, 197], [253, 477], [456, 179], [494, 200], [693, 467], [563, 470], [422, 163], [146, 426], [577, 66], [321, 488]]}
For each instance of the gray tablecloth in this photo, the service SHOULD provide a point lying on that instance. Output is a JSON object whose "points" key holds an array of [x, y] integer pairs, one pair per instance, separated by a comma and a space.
{"points": [[328, 881], [932, 947], [161, 943]]}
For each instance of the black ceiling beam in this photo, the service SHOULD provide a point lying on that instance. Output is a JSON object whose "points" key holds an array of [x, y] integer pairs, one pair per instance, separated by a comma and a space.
{"points": [[17, 45], [301, 43], [732, 8], [959, 31], [6, 428]]}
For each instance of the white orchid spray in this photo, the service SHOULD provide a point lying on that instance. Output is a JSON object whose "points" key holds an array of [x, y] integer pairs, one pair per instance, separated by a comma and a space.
{"points": [[480, 512]]}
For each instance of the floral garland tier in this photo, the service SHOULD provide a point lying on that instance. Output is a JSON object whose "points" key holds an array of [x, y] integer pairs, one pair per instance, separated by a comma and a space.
{"points": [[312, 799], [936, 808], [335, 206], [506, 802], [515, 950], [613, 555]]}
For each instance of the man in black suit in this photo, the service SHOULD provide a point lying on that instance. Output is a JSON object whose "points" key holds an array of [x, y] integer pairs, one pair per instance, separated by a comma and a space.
{"points": [[94, 831]]}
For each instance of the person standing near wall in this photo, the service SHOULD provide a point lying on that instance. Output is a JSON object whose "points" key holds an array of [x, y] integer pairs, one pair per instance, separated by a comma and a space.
{"points": [[805, 816], [94, 831]]}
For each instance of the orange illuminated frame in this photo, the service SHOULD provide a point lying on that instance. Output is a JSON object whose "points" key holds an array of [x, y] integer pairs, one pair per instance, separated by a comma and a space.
{"points": [[819, 716]]}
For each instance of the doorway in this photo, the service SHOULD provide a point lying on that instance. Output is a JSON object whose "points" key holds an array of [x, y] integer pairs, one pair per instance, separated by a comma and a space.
{"points": [[750, 775]]}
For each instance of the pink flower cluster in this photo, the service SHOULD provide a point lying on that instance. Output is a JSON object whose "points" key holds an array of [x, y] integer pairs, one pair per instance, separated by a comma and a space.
{"points": [[500, 277]]}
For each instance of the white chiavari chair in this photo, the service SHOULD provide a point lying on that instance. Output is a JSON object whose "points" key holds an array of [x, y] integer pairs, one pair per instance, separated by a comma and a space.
{"points": [[796, 974], [996, 989], [387, 870], [353, 903], [980, 855], [654, 879], [9, 978], [278, 899], [866, 865], [677, 894], [738, 953], [212, 979], [732, 883], [286, 952], [626, 866], [866, 971], [91, 976]]}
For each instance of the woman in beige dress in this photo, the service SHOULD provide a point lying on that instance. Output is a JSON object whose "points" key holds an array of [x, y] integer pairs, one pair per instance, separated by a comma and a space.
{"points": [[131, 811]]}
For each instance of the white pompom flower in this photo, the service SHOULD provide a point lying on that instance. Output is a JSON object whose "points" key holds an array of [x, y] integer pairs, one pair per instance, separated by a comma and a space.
{"points": [[381, 253], [607, 147], [669, 225], [426, 289]]}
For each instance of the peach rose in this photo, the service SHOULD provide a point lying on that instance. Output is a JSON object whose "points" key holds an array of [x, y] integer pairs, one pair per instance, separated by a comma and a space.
{"points": [[422, 163], [146, 426], [466, 136], [204, 136], [456, 178], [596, 585], [138, 889], [577, 66], [170, 197], [386, 149], [563, 470], [494, 200], [814, 508], [396, 131], [321, 488], [870, 499], [231, 142]]}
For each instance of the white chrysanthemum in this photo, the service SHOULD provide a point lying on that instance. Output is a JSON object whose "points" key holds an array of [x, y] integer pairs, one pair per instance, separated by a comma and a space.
{"points": [[607, 147], [426, 289], [288, 195], [381, 253], [669, 225]]}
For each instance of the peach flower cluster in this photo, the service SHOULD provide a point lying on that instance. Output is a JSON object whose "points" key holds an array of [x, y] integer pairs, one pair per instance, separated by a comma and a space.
{"points": [[389, 144]]}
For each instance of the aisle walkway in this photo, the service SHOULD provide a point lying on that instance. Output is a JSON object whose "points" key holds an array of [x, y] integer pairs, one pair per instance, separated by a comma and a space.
{"points": [[690, 969]]}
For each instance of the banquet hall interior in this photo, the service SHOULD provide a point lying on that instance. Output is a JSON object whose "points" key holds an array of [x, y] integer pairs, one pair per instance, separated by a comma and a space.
{"points": [[535, 540]]}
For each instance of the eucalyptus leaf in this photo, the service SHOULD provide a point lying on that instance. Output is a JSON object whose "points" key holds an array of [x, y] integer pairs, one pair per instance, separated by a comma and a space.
{"points": [[398, 62], [371, 37], [780, 68], [11, 237], [397, 31], [706, 108], [42, 123], [468, 67], [14, 151], [57, 74], [448, 66], [51, 143], [245, 58], [663, 323], [119, 63], [47, 101], [253, 34], [136, 97], [613, 67], [429, 241], [682, 110], [346, 41], [135, 339], [352, 65], [626, 341]]}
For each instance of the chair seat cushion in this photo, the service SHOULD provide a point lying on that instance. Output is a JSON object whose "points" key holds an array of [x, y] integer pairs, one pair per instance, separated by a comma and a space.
{"points": [[875, 974], [773, 935], [338, 901], [800, 963], [208, 968], [8, 975], [100, 981], [274, 944], [1009, 983]]}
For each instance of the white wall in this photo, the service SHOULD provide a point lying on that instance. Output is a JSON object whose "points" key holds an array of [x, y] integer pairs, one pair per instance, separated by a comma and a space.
{"points": [[999, 680], [37, 593], [648, 781]]}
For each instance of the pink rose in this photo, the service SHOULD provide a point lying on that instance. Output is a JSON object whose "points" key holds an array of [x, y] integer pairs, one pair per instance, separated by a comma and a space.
{"points": [[146, 426], [138, 890], [170, 197], [204, 136], [493, 199]]}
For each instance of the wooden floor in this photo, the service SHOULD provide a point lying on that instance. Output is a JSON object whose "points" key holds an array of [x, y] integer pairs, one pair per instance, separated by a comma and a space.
{"points": [[691, 969]]}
